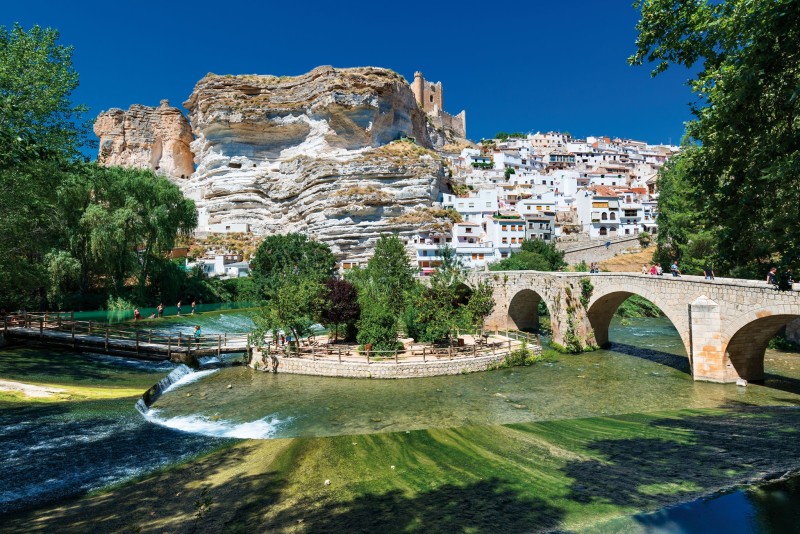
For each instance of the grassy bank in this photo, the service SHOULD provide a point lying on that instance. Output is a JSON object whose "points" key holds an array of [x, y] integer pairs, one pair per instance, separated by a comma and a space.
{"points": [[43, 375], [528, 477]]}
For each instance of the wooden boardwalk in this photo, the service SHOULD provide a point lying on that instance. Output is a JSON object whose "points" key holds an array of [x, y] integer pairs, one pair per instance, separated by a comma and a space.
{"points": [[63, 331]]}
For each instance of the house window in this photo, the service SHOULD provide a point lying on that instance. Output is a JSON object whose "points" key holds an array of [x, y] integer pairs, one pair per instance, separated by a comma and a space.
{"points": [[504, 240], [504, 254], [474, 256], [514, 240], [480, 256], [603, 230], [604, 216], [627, 231], [468, 230], [613, 216]]}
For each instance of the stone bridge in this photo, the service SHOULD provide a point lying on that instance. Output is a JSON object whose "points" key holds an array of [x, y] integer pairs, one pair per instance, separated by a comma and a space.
{"points": [[725, 324]]}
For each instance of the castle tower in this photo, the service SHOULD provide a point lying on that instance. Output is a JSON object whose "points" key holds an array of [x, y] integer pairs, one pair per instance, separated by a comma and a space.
{"points": [[418, 88]]}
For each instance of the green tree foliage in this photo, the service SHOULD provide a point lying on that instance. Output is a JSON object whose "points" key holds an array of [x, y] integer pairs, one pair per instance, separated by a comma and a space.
{"points": [[378, 324], [481, 303], [737, 185], [534, 255], [121, 222], [340, 306], [388, 273], [39, 134], [36, 81], [293, 306], [282, 255], [553, 256]]}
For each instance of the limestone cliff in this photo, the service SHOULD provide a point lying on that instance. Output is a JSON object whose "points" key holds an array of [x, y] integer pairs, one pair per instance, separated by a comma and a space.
{"points": [[146, 137], [311, 153]]}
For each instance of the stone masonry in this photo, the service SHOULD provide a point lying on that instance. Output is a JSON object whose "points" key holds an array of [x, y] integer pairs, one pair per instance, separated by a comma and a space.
{"points": [[725, 324]]}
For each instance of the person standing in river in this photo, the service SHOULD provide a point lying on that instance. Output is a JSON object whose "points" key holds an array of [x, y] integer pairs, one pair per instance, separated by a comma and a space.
{"points": [[179, 308], [194, 306], [160, 310]]}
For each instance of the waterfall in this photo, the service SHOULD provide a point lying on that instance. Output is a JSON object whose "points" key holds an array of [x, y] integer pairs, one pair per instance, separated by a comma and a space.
{"points": [[152, 394]]}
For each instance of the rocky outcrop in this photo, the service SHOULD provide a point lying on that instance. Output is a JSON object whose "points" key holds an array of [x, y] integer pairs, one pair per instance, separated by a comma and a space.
{"points": [[146, 137], [315, 153]]}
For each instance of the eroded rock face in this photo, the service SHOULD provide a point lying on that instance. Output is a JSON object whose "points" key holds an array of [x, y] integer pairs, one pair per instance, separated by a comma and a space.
{"points": [[311, 153], [146, 137]]}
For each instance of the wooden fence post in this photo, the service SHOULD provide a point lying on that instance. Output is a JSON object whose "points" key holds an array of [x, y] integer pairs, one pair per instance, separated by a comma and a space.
{"points": [[474, 350], [137, 342], [219, 345], [169, 347], [150, 336], [59, 321], [180, 338], [395, 356], [340, 355], [449, 351], [423, 355]]}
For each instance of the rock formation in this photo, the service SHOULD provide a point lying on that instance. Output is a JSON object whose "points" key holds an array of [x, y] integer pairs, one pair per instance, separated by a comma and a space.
{"points": [[341, 154], [311, 153], [146, 137]]}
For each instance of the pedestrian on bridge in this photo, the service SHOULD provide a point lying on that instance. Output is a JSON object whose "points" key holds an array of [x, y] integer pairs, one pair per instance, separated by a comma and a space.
{"points": [[708, 272], [198, 333], [675, 271]]}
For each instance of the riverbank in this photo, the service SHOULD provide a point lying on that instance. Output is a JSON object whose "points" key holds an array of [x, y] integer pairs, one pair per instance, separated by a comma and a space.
{"points": [[527, 477]]}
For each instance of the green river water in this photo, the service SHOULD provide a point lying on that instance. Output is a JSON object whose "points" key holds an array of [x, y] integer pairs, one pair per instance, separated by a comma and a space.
{"points": [[53, 451]]}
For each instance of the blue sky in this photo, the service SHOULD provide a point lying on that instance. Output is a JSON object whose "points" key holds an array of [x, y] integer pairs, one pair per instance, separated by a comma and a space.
{"points": [[514, 66]]}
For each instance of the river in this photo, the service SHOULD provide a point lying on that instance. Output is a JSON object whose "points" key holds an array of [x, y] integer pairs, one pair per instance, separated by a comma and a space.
{"points": [[54, 450]]}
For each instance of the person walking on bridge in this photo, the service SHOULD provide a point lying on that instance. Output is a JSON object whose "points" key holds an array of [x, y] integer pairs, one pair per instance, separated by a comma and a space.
{"points": [[675, 271], [708, 272]]}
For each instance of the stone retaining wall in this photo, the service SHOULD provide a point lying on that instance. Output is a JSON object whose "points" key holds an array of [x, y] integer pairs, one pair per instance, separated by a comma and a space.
{"points": [[597, 251], [418, 369]]}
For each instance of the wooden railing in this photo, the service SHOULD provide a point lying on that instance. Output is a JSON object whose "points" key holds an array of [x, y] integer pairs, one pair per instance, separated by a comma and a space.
{"points": [[350, 353], [142, 339]]}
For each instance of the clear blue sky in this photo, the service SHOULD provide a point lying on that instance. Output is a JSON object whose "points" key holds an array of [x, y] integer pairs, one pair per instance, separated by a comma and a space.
{"points": [[514, 66]]}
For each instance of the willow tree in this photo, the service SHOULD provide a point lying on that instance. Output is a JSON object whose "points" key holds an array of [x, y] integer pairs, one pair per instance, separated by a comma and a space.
{"points": [[743, 159]]}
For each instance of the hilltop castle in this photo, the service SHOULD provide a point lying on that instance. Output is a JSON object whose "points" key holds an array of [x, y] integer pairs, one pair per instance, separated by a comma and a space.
{"points": [[430, 98]]}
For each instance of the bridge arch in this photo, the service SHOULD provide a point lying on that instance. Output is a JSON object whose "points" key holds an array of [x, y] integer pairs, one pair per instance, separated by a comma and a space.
{"points": [[523, 310], [749, 334], [603, 306]]}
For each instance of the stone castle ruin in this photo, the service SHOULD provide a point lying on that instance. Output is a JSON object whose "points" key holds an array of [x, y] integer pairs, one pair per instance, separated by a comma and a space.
{"points": [[315, 153], [430, 98]]}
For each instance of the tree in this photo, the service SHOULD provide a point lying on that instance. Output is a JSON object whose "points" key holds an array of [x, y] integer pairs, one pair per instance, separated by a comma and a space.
{"points": [[40, 133], [742, 159], [377, 325], [36, 82], [522, 261], [293, 307], [549, 251], [481, 303], [388, 272], [340, 305], [281, 255]]}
